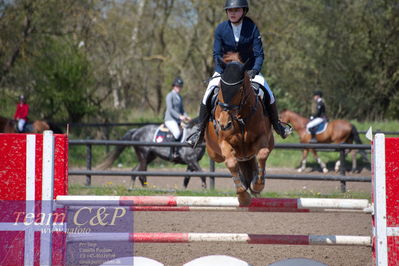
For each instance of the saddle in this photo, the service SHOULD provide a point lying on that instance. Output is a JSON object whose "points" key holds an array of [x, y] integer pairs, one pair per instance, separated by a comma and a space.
{"points": [[163, 134], [28, 128], [214, 99], [320, 128]]}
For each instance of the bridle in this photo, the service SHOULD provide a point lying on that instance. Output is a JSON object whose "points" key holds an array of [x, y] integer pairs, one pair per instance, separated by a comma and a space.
{"points": [[229, 108]]}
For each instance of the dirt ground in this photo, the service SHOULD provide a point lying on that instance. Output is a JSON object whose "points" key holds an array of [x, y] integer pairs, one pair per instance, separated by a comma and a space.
{"points": [[256, 223]]}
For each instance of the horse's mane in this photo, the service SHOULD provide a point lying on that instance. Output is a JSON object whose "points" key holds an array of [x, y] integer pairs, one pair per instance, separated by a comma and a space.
{"points": [[231, 56]]}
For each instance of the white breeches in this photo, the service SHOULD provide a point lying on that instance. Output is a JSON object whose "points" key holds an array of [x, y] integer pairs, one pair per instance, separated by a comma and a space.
{"points": [[174, 128], [21, 124], [314, 122], [258, 79]]}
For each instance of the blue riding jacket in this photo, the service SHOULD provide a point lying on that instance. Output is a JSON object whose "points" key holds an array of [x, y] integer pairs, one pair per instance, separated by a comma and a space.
{"points": [[249, 46]]}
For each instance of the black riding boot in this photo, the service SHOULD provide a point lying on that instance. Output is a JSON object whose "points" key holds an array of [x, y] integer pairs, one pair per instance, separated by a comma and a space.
{"points": [[198, 136], [282, 130], [313, 140], [175, 152]]}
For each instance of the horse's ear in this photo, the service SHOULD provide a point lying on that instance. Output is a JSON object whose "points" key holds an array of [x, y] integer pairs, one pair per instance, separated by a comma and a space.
{"points": [[221, 62]]}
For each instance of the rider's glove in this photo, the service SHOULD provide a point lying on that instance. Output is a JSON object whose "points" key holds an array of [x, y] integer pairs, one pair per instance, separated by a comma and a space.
{"points": [[252, 73]]}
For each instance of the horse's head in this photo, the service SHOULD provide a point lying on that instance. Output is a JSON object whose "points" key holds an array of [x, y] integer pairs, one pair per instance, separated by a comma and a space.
{"points": [[233, 78], [285, 116], [40, 126]]}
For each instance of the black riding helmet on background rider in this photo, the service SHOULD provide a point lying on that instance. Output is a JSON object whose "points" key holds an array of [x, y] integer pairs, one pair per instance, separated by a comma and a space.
{"points": [[237, 4], [318, 93], [178, 82], [22, 98]]}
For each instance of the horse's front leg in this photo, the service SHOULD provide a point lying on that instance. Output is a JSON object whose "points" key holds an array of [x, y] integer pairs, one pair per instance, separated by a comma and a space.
{"points": [[303, 161], [258, 183], [243, 196]]}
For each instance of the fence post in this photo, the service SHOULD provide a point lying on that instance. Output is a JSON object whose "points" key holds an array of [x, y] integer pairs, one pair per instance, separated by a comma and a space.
{"points": [[212, 178], [88, 163], [342, 169]]}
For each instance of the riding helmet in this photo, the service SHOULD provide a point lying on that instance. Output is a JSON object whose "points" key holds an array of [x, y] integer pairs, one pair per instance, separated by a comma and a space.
{"points": [[22, 98], [318, 93], [236, 4], [178, 82]]}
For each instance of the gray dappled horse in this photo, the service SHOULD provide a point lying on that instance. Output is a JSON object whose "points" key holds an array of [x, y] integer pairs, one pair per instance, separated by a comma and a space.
{"points": [[147, 154]]}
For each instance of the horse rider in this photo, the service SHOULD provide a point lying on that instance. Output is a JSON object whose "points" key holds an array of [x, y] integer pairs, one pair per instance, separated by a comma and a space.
{"points": [[238, 34], [318, 114], [175, 113], [21, 113]]}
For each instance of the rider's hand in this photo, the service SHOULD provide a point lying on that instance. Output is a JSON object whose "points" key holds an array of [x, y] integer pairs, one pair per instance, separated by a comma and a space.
{"points": [[252, 73], [184, 118]]}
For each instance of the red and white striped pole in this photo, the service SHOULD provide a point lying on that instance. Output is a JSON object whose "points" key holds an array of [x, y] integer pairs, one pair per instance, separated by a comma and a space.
{"points": [[337, 240], [257, 204]]}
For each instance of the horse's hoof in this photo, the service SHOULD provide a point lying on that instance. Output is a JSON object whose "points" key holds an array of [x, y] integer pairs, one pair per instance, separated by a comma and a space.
{"points": [[258, 186], [244, 198], [325, 170], [300, 170]]}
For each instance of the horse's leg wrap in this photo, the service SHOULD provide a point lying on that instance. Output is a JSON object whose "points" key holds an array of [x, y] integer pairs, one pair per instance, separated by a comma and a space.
{"points": [[258, 183], [303, 166], [322, 165], [238, 184]]}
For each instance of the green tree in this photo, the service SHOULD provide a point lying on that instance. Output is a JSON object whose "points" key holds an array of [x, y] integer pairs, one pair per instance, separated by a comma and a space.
{"points": [[63, 82]]}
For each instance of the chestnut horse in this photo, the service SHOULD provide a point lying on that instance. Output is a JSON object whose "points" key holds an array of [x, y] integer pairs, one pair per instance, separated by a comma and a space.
{"points": [[337, 131], [38, 126], [240, 135]]}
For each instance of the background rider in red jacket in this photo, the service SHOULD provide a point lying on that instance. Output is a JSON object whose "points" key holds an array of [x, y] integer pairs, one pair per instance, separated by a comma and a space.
{"points": [[21, 113]]}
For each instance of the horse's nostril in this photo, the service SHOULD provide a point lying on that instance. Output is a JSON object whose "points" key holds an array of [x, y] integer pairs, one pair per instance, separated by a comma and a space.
{"points": [[227, 126]]}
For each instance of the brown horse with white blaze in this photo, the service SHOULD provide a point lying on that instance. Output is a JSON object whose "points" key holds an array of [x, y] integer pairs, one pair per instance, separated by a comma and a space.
{"points": [[241, 134], [337, 131]]}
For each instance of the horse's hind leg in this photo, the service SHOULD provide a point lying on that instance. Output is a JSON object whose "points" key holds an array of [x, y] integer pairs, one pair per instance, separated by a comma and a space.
{"points": [[303, 161], [354, 162], [133, 178], [258, 181], [187, 177], [142, 166], [320, 162], [194, 167]]}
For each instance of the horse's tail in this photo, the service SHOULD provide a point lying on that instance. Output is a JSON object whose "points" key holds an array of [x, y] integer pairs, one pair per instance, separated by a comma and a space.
{"points": [[357, 140], [355, 135], [113, 155]]}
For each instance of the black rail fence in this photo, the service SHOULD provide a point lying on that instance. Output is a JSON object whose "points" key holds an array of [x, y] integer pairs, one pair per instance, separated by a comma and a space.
{"points": [[140, 124], [342, 178]]}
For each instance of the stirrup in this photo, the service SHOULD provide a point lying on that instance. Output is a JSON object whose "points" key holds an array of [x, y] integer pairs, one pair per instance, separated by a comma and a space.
{"points": [[283, 129], [287, 128], [194, 139]]}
